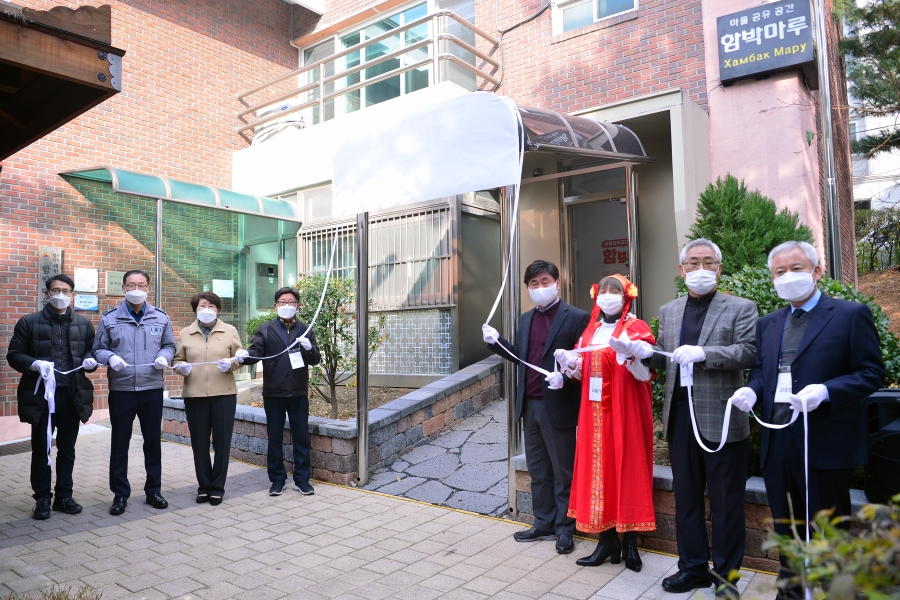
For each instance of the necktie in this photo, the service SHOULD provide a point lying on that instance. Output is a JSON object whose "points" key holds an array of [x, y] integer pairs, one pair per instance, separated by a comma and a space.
{"points": [[799, 313]]}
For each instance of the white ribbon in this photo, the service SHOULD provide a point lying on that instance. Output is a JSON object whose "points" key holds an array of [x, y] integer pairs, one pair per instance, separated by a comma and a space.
{"points": [[727, 422], [50, 397]]}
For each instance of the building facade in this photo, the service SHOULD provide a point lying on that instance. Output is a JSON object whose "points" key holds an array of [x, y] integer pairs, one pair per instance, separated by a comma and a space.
{"points": [[650, 65]]}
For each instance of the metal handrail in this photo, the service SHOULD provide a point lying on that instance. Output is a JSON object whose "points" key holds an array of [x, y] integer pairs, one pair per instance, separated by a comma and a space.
{"points": [[434, 59]]}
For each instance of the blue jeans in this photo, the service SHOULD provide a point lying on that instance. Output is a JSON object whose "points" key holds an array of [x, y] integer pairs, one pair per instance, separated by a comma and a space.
{"points": [[297, 410]]}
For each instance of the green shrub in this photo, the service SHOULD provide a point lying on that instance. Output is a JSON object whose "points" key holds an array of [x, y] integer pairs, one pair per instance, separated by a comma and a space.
{"points": [[862, 562], [745, 225], [253, 325]]}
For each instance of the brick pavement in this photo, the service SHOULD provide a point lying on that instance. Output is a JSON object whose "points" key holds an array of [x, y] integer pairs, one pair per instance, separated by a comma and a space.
{"points": [[339, 543]]}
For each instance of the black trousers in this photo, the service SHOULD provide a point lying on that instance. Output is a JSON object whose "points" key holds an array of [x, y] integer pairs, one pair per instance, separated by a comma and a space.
{"points": [[297, 410], [211, 415], [786, 489], [66, 422], [724, 475], [550, 456], [147, 405]]}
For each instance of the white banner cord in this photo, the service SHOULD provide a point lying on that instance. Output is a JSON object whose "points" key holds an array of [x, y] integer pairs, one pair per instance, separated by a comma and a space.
{"points": [[727, 421]]}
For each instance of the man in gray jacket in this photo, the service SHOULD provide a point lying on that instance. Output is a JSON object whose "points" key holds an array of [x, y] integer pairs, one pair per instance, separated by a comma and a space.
{"points": [[136, 342], [710, 336]]}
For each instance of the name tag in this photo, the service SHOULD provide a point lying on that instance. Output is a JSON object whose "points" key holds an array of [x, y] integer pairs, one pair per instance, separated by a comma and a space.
{"points": [[155, 330], [687, 375], [296, 360], [785, 386], [595, 391]]}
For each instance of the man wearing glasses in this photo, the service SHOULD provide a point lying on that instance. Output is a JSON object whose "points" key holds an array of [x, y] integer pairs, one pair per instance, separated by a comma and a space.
{"points": [[53, 338], [136, 342], [285, 387], [711, 336]]}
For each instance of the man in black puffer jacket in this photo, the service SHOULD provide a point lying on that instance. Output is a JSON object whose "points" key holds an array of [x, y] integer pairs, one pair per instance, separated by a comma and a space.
{"points": [[53, 338]]}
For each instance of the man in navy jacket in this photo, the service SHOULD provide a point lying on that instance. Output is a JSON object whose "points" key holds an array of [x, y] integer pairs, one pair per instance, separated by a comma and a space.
{"points": [[818, 355]]}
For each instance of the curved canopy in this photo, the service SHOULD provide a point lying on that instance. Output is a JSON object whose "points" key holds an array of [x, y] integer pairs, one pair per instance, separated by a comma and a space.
{"points": [[548, 130], [153, 186]]}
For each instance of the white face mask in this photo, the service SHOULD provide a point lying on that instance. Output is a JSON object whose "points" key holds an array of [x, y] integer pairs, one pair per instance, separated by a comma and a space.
{"points": [[795, 286], [701, 281], [543, 296], [136, 296], [610, 304], [207, 315], [287, 312], [60, 301]]}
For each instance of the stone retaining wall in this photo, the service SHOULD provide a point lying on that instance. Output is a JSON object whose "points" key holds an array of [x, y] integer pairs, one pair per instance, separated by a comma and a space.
{"points": [[756, 511], [393, 428]]}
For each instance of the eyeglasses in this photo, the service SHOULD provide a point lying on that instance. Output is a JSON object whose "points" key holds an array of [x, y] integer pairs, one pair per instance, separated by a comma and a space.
{"points": [[287, 303], [708, 265], [137, 286], [57, 291]]}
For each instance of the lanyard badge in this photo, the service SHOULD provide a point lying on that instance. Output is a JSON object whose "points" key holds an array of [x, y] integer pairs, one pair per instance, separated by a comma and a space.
{"points": [[785, 386], [296, 360], [595, 391]]}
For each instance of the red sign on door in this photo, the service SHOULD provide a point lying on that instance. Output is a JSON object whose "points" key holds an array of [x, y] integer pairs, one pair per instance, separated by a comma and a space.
{"points": [[615, 251]]}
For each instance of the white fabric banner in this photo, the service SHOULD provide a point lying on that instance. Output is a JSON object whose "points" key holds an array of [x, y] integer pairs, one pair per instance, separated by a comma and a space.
{"points": [[464, 144]]}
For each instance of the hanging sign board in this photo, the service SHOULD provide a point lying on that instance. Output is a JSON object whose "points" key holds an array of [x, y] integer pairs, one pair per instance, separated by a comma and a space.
{"points": [[49, 264], [770, 37]]}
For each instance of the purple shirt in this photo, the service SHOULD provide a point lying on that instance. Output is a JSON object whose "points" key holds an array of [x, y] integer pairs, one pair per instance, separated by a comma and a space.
{"points": [[537, 340]]}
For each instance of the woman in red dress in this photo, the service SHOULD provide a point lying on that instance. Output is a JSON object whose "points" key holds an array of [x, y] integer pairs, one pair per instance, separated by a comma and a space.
{"points": [[612, 486]]}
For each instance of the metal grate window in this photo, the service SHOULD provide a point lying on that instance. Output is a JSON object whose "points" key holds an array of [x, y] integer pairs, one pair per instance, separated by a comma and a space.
{"points": [[409, 258]]}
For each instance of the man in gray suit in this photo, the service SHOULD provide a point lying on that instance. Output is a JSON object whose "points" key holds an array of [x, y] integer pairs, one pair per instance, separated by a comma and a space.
{"points": [[712, 335]]}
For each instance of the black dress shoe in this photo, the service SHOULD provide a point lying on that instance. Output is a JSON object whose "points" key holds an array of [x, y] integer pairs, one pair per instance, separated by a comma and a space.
{"points": [[533, 535], [67, 505], [564, 544], [608, 546], [630, 552], [215, 500], [118, 505], [41, 510], [682, 582], [201, 498], [157, 501]]}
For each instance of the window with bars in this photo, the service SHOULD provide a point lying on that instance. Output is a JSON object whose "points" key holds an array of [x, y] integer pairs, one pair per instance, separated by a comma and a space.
{"points": [[409, 257]]}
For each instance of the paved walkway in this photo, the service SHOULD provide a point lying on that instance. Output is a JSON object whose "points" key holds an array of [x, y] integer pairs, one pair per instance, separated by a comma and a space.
{"points": [[340, 543], [464, 467]]}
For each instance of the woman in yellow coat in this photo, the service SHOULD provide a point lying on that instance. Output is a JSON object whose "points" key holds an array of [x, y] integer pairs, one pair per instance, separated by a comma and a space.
{"points": [[210, 393]]}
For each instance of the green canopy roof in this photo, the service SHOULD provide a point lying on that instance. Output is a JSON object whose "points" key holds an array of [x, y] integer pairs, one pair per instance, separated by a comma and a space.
{"points": [[152, 186]]}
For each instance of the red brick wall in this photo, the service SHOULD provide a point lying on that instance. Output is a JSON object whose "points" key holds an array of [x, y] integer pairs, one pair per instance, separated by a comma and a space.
{"points": [[660, 49], [185, 61]]}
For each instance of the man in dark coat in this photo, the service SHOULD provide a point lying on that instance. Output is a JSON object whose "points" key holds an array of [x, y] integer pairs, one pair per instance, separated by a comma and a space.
{"points": [[285, 387], [44, 346], [548, 407]]}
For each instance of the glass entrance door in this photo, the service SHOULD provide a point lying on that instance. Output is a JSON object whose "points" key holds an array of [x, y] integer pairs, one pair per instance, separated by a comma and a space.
{"points": [[598, 230]]}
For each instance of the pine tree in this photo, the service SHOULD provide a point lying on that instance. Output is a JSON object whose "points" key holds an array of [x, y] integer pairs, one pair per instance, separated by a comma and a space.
{"points": [[745, 225]]}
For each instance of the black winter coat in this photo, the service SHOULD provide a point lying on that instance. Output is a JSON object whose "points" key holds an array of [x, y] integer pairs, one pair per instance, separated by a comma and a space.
{"points": [[32, 341], [279, 379]]}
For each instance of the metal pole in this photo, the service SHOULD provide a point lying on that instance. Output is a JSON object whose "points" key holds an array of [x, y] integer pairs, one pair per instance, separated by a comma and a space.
{"points": [[832, 209], [634, 242], [435, 50], [510, 315], [321, 93], [157, 295], [362, 354]]}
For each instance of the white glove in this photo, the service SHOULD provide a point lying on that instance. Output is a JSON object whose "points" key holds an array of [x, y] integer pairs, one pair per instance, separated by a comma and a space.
{"points": [[743, 399], [116, 363], [224, 364], [815, 394], [490, 334], [625, 347], [642, 349], [554, 381], [184, 369], [240, 355], [45, 368], [566, 358], [685, 355], [89, 363], [307, 345], [160, 363]]}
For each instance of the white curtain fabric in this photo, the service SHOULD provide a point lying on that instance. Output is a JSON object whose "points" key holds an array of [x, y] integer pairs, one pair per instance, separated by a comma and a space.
{"points": [[464, 144]]}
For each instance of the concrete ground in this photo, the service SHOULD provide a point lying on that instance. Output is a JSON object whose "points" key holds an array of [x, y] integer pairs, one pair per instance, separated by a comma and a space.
{"points": [[339, 543], [464, 467]]}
